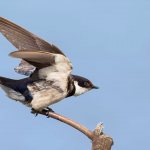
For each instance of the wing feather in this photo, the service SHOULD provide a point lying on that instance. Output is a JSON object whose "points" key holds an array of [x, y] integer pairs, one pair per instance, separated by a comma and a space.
{"points": [[43, 59], [25, 40]]}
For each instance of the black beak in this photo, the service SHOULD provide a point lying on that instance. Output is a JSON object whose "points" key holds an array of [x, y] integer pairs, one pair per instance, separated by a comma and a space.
{"points": [[95, 87]]}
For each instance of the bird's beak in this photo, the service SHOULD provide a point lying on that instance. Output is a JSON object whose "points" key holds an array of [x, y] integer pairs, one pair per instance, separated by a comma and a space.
{"points": [[95, 87]]}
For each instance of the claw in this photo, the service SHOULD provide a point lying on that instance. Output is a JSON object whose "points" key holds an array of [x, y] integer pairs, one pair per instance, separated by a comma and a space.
{"points": [[33, 111], [47, 110], [36, 114]]}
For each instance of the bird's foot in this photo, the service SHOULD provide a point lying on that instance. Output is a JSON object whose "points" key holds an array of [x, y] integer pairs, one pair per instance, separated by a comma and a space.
{"points": [[47, 110], [35, 112]]}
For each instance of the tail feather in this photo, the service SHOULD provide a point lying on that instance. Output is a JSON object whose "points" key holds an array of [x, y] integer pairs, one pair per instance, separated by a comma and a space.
{"points": [[6, 81], [16, 89]]}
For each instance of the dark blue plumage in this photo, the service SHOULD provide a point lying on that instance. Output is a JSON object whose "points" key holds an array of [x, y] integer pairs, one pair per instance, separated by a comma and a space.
{"points": [[18, 86]]}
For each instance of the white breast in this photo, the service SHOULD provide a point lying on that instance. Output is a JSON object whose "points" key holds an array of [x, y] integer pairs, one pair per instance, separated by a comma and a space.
{"points": [[46, 93], [46, 97]]}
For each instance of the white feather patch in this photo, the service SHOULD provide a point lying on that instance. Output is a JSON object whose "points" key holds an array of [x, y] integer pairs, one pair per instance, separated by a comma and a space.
{"points": [[13, 94], [79, 90]]}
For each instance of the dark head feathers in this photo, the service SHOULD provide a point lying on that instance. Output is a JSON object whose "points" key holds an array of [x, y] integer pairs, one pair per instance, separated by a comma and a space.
{"points": [[84, 82]]}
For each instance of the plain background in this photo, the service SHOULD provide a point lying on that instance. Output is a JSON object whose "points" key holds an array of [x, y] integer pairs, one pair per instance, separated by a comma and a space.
{"points": [[107, 42]]}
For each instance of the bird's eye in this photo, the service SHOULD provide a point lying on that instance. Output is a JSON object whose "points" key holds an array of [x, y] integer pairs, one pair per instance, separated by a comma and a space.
{"points": [[86, 84]]}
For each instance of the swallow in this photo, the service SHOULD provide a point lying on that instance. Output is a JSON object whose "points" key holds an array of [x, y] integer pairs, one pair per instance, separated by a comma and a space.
{"points": [[49, 71]]}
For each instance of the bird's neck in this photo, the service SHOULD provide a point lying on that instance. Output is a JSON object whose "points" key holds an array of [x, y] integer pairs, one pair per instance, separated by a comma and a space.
{"points": [[70, 87]]}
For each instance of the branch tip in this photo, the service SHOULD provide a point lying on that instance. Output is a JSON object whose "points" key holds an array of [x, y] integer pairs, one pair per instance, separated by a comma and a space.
{"points": [[99, 129]]}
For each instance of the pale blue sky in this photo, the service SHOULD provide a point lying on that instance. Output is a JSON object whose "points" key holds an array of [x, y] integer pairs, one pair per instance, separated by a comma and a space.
{"points": [[107, 42]]}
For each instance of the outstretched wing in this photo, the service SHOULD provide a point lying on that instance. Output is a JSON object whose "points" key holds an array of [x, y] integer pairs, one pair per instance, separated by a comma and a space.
{"points": [[25, 40]]}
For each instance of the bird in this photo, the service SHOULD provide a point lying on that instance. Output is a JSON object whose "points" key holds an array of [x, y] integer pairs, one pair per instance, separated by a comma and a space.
{"points": [[48, 70]]}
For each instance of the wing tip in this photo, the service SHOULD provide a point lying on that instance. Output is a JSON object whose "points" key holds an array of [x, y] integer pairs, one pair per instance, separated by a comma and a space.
{"points": [[12, 54], [4, 20]]}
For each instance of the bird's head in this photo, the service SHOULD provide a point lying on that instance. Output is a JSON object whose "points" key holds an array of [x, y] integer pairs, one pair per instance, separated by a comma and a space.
{"points": [[82, 85]]}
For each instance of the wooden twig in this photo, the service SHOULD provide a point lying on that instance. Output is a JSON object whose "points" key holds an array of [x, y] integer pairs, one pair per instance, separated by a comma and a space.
{"points": [[70, 122], [100, 141]]}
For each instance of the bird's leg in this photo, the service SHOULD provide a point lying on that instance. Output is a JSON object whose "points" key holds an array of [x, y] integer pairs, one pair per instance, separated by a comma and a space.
{"points": [[35, 112], [47, 110], [50, 109]]}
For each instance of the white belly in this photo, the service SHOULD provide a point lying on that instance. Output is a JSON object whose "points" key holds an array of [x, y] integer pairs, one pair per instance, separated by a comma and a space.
{"points": [[43, 99], [45, 93]]}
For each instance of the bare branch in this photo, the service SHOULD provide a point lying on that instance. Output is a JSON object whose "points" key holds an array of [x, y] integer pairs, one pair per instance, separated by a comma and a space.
{"points": [[70, 122], [100, 141]]}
